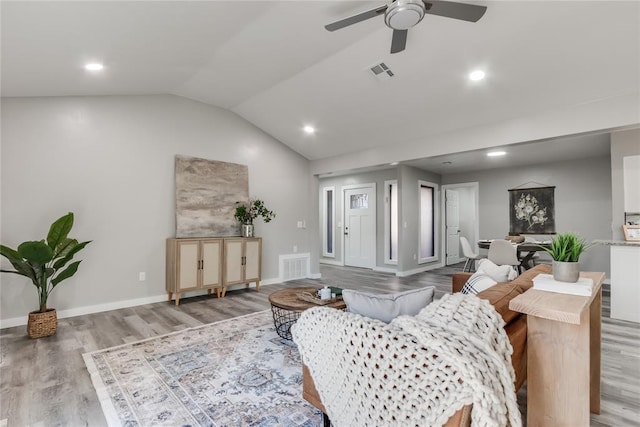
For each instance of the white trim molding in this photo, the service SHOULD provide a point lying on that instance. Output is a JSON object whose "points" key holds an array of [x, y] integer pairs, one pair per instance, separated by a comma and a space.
{"points": [[419, 270], [98, 308]]}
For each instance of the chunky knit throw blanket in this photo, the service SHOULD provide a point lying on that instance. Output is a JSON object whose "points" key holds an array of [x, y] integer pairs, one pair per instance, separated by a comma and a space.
{"points": [[414, 371]]}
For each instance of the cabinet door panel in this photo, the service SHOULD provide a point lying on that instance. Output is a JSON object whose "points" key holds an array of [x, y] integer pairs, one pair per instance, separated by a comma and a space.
{"points": [[233, 266], [252, 266], [188, 267], [211, 267]]}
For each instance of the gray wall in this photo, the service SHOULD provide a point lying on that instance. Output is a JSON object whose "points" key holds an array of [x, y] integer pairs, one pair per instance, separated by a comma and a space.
{"points": [[379, 177], [409, 229], [111, 161], [582, 200], [625, 143], [408, 193]]}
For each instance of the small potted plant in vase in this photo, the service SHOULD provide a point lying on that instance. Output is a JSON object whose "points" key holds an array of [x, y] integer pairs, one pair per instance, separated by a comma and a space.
{"points": [[45, 262], [247, 212], [565, 250]]}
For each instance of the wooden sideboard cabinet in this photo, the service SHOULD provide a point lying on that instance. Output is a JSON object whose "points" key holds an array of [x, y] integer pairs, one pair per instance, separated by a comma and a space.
{"points": [[242, 261], [212, 263], [193, 264]]}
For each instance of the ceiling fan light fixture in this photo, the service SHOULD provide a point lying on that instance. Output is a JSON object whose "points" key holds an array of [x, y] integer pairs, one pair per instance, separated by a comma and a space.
{"points": [[404, 14]]}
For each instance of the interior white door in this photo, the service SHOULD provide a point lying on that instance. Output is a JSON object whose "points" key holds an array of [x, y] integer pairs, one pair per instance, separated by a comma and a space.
{"points": [[360, 227], [452, 222]]}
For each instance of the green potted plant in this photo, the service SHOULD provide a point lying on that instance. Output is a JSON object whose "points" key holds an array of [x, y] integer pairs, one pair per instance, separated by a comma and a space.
{"points": [[46, 264], [565, 250], [247, 212]]}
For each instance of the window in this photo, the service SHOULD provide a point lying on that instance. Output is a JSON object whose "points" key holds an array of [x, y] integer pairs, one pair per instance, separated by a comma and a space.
{"points": [[391, 222], [359, 201], [428, 211], [328, 221]]}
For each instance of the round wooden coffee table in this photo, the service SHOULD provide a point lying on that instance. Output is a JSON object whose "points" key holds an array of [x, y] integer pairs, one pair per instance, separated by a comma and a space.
{"points": [[286, 308]]}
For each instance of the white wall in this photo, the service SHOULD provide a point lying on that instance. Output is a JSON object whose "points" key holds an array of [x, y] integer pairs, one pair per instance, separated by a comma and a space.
{"points": [[110, 160], [597, 116], [582, 200], [626, 143]]}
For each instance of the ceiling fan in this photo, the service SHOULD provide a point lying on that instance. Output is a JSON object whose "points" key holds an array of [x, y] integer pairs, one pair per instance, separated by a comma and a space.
{"points": [[400, 15]]}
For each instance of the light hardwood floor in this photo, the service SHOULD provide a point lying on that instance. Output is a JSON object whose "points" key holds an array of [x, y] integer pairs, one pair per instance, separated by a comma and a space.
{"points": [[44, 382]]}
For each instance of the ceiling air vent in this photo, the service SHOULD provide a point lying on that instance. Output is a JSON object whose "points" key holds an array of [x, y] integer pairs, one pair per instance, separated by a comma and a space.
{"points": [[381, 71]]}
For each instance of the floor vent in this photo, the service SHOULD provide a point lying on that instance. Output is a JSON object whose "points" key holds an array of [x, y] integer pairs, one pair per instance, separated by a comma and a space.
{"points": [[381, 71], [294, 266]]}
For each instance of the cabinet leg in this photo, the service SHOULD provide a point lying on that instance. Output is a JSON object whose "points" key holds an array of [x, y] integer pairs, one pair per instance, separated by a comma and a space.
{"points": [[178, 298], [170, 296], [258, 285], [209, 292], [217, 292], [224, 291]]}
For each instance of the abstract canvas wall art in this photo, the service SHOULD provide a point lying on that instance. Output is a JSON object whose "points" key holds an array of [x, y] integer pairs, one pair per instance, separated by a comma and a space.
{"points": [[532, 211], [206, 196]]}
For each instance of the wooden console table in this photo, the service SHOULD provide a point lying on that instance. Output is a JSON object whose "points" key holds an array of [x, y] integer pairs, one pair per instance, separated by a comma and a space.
{"points": [[563, 354]]}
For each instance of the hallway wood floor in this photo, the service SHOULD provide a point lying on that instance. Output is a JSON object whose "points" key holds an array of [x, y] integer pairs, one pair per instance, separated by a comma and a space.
{"points": [[44, 382]]}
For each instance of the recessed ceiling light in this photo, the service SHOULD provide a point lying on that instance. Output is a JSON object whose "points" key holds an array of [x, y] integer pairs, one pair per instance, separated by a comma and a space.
{"points": [[496, 153], [447, 162], [94, 66], [309, 129], [476, 75], [393, 163]]}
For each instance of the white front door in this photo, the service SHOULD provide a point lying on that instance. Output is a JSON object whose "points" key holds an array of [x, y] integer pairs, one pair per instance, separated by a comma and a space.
{"points": [[452, 222], [360, 226]]}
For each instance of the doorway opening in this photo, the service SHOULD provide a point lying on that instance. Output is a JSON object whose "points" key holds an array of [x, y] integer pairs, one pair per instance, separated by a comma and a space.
{"points": [[461, 209]]}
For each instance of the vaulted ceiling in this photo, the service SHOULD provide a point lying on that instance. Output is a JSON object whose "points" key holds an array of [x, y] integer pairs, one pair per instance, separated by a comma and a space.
{"points": [[273, 63]]}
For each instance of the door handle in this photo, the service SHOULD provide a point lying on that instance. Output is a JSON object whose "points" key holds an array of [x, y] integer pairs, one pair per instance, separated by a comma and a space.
{"points": [[346, 231]]}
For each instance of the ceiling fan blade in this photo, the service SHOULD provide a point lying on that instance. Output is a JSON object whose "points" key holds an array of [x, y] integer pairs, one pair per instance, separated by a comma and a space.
{"points": [[399, 40], [449, 9], [356, 18]]}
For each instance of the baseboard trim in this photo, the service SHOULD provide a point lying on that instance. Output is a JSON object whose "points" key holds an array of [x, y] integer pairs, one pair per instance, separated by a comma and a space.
{"points": [[331, 262], [88, 309], [314, 276], [98, 308], [419, 270], [385, 270]]}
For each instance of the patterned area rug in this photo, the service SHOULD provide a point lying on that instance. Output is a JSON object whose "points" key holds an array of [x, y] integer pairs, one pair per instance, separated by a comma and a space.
{"points": [[237, 372]]}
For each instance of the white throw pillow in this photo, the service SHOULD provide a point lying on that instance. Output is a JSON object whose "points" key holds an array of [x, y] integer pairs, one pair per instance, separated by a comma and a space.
{"points": [[499, 273], [386, 307], [478, 282]]}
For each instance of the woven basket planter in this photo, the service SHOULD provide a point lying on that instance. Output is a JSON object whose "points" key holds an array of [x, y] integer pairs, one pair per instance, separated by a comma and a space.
{"points": [[42, 324]]}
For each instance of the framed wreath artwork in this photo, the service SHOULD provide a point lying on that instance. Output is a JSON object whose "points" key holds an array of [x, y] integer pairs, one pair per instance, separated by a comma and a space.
{"points": [[532, 211]]}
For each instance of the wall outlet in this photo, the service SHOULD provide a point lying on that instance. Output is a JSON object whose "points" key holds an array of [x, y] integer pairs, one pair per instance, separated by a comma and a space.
{"points": [[295, 249], [299, 224], [142, 276], [415, 257]]}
